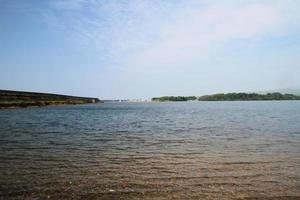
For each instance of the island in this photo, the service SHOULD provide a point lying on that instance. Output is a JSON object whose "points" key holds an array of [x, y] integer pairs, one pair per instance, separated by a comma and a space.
{"points": [[248, 97], [230, 97], [173, 98], [17, 99]]}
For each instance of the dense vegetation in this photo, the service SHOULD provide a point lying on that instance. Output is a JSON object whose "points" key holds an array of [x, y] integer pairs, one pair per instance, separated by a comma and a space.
{"points": [[248, 97], [173, 98], [24, 99], [231, 97]]}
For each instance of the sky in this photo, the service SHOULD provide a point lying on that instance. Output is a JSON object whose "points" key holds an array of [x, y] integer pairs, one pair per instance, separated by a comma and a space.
{"points": [[128, 49]]}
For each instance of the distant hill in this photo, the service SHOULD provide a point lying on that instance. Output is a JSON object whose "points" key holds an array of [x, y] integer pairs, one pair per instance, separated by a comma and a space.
{"points": [[248, 97], [9, 99]]}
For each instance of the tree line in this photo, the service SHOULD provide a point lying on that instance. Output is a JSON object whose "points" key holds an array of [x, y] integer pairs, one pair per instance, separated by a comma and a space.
{"points": [[231, 97]]}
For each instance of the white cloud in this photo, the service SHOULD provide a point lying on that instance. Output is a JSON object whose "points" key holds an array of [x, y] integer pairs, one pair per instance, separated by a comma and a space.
{"points": [[152, 32], [198, 31], [114, 28]]}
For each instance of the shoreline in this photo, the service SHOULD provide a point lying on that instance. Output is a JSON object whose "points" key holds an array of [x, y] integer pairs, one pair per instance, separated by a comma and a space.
{"points": [[20, 99], [38, 105]]}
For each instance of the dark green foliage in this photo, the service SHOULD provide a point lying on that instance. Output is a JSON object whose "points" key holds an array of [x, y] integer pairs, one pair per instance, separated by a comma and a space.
{"points": [[173, 98], [24, 99], [248, 97]]}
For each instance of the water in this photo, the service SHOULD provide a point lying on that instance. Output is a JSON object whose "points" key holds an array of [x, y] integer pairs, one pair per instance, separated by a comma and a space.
{"points": [[184, 150]]}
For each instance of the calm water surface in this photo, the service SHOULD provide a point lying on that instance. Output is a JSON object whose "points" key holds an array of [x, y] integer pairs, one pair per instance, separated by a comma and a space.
{"points": [[190, 150]]}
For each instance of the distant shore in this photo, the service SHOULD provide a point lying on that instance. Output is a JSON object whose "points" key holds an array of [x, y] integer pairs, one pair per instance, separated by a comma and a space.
{"points": [[20, 99], [275, 96]]}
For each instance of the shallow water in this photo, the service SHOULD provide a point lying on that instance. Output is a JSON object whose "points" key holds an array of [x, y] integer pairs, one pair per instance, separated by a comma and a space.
{"points": [[184, 150]]}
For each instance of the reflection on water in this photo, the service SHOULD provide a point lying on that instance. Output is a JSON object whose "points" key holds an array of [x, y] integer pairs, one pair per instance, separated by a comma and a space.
{"points": [[191, 150]]}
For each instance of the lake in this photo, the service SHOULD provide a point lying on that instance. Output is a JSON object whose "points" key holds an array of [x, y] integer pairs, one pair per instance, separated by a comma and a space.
{"points": [[176, 150]]}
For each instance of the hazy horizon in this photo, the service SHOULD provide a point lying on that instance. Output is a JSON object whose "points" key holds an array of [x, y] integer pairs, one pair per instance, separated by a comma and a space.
{"points": [[142, 49]]}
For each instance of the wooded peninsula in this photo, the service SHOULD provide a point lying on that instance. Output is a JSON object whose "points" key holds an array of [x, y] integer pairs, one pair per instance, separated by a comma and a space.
{"points": [[15, 99], [231, 97]]}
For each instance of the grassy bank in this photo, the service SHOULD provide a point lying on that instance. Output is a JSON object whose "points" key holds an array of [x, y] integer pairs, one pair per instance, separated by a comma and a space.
{"points": [[15, 99]]}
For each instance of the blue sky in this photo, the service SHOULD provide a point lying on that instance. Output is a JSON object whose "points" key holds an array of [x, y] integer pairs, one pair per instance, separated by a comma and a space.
{"points": [[144, 48]]}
